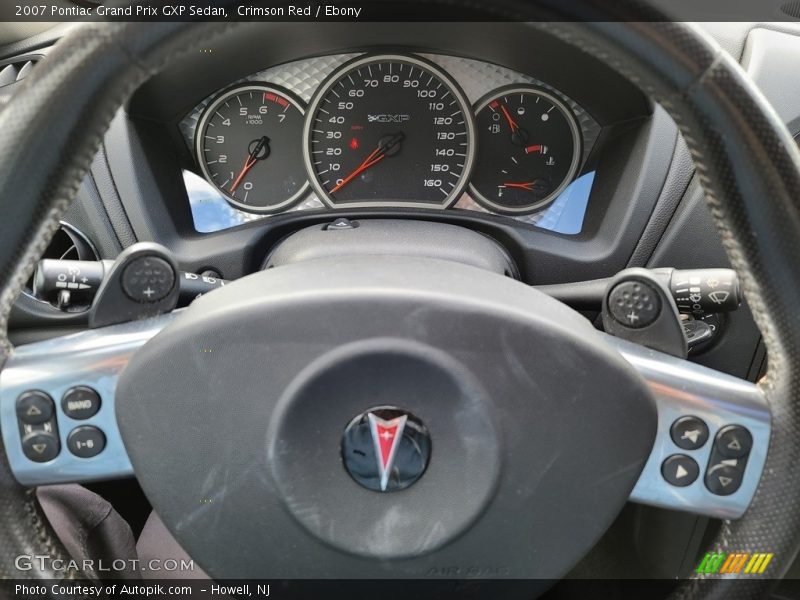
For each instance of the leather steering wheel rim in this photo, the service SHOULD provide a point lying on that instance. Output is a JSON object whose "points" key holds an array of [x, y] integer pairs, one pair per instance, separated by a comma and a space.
{"points": [[745, 158]]}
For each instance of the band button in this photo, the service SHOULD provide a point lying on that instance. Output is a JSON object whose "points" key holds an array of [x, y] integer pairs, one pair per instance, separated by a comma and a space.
{"points": [[80, 403]]}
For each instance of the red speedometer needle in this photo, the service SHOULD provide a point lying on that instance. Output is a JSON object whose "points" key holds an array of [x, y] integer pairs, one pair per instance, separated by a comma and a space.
{"points": [[511, 122], [252, 158], [523, 186], [375, 156]]}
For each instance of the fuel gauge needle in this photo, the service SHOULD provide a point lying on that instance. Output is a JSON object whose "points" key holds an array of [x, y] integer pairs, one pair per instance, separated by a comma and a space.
{"points": [[523, 186], [511, 122], [251, 160]]}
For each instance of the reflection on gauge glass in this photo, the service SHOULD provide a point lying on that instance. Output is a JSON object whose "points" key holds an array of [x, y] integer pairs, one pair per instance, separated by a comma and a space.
{"points": [[529, 150], [249, 146], [389, 130]]}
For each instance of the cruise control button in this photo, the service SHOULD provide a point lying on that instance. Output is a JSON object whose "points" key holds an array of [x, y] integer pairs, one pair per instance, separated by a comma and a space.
{"points": [[80, 403], [734, 441], [724, 479], [40, 447], [689, 433], [34, 408], [680, 470], [86, 441]]}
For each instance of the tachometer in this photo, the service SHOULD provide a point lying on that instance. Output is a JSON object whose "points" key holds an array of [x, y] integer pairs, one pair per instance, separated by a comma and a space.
{"points": [[389, 130], [249, 145], [529, 150]]}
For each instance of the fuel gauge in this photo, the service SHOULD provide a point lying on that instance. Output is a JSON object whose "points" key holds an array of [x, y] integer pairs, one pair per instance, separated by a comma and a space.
{"points": [[529, 149]]}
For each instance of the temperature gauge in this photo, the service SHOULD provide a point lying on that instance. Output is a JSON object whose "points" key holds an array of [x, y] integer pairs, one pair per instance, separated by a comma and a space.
{"points": [[529, 149]]}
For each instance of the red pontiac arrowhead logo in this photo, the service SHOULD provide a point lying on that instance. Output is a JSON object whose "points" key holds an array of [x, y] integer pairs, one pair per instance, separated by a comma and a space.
{"points": [[386, 449], [386, 436]]}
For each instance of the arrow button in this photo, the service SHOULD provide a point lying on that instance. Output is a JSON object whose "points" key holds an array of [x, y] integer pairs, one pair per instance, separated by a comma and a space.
{"points": [[680, 470], [734, 441], [40, 447], [723, 478], [34, 408]]}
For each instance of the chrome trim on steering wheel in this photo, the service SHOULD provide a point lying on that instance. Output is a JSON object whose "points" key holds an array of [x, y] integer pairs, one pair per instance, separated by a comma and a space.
{"points": [[93, 358], [683, 388]]}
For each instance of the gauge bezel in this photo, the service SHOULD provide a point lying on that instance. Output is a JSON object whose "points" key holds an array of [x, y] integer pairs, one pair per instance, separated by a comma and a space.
{"points": [[203, 123], [369, 58], [577, 138]]}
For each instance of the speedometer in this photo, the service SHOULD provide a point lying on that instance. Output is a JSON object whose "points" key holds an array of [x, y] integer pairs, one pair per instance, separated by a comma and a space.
{"points": [[389, 130]]}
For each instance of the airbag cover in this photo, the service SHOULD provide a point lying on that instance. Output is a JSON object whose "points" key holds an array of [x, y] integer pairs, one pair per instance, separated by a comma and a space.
{"points": [[233, 418]]}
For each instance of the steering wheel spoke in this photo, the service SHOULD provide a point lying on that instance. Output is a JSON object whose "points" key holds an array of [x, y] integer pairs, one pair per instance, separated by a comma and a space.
{"points": [[712, 438], [700, 413], [57, 409]]}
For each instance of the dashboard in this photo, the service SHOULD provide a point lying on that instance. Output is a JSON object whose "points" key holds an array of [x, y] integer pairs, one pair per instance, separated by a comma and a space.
{"points": [[389, 129], [586, 180], [568, 195]]}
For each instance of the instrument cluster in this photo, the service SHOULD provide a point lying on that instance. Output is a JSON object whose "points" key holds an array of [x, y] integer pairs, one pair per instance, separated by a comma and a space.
{"points": [[389, 130]]}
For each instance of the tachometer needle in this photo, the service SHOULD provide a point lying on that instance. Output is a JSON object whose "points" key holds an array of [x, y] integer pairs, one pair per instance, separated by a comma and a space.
{"points": [[252, 158], [374, 157], [511, 122]]}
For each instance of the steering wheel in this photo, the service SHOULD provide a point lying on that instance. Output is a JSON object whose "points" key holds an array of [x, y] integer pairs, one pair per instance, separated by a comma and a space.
{"points": [[233, 411]]}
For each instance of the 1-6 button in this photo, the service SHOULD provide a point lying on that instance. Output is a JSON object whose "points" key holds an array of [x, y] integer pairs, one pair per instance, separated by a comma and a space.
{"points": [[86, 441], [80, 403]]}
